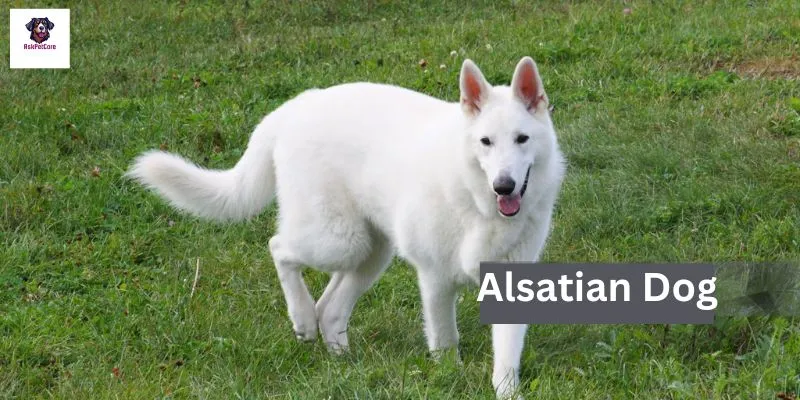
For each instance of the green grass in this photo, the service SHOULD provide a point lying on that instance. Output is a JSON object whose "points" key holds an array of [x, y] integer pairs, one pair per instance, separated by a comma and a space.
{"points": [[681, 123]]}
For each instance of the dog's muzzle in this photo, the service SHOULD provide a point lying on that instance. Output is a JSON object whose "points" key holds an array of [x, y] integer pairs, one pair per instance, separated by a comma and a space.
{"points": [[508, 205]]}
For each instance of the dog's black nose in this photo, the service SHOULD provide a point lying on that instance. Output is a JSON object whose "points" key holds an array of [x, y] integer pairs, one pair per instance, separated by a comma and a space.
{"points": [[504, 185]]}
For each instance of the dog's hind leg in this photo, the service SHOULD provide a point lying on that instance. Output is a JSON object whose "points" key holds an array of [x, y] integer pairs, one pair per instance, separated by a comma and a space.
{"points": [[299, 302], [343, 291]]}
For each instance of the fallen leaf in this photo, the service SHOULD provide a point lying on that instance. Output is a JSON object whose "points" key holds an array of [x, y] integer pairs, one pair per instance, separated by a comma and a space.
{"points": [[423, 63], [73, 131], [197, 82], [96, 171], [44, 189]]}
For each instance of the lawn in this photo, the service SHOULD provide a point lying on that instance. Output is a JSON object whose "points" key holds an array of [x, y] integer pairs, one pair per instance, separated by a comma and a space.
{"points": [[680, 121]]}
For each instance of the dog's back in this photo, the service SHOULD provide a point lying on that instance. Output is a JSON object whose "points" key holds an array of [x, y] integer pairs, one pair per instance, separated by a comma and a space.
{"points": [[357, 140]]}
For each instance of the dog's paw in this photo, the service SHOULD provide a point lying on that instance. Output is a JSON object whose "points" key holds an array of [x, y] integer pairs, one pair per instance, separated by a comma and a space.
{"points": [[305, 336], [505, 394], [304, 323], [507, 387], [337, 349], [306, 332], [450, 355]]}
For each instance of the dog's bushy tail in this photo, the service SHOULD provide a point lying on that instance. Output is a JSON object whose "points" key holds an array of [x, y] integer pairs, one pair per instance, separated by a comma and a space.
{"points": [[221, 195]]}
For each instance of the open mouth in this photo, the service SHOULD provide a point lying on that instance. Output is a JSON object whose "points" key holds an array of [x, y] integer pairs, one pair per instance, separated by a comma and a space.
{"points": [[509, 205], [42, 35]]}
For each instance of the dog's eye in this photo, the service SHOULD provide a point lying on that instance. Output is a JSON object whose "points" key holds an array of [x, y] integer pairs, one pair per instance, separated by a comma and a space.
{"points": [[522, 139], [486, 142]]}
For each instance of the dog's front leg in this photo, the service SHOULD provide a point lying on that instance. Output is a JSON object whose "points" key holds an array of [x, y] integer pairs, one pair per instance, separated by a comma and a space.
{"points": [[507, 343], [439, 311]]}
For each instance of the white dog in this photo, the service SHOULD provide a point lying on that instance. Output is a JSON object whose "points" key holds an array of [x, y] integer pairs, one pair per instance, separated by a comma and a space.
{"points": [[364, 171]]}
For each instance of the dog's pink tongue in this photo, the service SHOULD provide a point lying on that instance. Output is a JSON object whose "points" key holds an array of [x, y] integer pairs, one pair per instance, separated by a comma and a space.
{"points": [[41, 34], [508, 205]]}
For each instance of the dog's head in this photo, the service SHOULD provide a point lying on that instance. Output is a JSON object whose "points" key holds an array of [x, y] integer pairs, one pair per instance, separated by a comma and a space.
{"points": [[509, 130], [40, 29]]}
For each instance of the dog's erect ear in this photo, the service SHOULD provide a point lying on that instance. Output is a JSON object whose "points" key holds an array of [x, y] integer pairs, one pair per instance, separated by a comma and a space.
{"points": [[474, 88], [50, 25], [29, 25], [527, 85]]}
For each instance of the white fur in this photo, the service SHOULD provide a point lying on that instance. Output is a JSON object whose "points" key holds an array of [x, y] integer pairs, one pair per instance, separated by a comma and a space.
{"points": [[364, 171]]}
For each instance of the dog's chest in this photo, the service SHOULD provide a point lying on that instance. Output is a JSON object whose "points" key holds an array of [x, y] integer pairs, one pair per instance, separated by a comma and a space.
{"points": [[495, 242], [459, 245]]}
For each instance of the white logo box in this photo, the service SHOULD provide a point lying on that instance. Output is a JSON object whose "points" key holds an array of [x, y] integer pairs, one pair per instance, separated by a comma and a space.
{"points": [[50, 53]]}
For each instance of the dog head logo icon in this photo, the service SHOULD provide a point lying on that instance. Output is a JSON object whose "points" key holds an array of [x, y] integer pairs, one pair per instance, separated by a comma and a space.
{"points": [[40, 29]]}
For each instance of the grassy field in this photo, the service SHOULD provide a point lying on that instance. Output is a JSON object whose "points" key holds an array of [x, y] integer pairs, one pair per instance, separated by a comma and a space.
{"points": [[680, 121]]}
